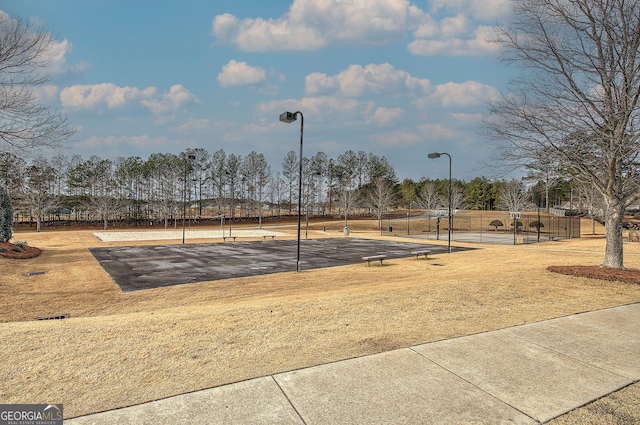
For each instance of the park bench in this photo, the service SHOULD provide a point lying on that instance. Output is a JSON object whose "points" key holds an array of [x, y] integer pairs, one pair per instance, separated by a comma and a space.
{"points": [[224, 238], [422, 252], [264, 237], [371, 258]]}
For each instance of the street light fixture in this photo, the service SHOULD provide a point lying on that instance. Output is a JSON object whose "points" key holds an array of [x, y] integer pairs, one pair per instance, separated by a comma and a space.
{"points": [[184, 194], [290, 117], [438, 155]]}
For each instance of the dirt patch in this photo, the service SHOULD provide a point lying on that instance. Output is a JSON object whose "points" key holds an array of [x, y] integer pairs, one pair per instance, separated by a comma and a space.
{"points": [[631, 276], [18, 251]]}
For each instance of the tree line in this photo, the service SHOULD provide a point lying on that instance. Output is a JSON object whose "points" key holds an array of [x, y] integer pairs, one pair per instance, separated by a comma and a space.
{"points": [[204, 185], [574, 108]]}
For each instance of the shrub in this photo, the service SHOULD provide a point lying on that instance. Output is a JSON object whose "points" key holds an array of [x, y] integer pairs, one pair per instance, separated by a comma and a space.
{"points": [[17, 248], [3, 249], [496, 224]]}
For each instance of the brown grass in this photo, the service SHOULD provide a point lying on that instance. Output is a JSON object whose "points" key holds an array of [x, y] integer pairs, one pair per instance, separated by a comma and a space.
{"points": [[123, 349]]}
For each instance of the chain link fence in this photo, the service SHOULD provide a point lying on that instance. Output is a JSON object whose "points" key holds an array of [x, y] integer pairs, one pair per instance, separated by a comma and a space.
{"points": [[500, 227]]}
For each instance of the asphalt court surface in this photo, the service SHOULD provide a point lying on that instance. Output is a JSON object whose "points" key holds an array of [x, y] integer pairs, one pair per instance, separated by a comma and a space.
{"points": [[136, 268]]}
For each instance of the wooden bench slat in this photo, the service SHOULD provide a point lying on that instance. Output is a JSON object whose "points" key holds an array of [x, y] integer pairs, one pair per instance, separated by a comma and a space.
{"points": [[371, 258], [422, 252]]}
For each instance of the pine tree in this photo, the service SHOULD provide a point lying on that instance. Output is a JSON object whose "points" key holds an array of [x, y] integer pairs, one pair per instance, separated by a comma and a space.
{"points": [[6, 216]]}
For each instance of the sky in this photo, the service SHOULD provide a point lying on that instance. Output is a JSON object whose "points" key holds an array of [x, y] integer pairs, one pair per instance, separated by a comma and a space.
{"points": [[396, 78]]}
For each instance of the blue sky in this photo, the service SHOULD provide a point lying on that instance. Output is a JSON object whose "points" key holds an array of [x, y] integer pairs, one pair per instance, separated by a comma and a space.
{"points": [[397, 78]]}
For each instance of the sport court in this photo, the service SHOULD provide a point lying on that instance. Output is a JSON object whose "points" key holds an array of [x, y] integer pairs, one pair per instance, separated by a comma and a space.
{"points": [[145, 267]]}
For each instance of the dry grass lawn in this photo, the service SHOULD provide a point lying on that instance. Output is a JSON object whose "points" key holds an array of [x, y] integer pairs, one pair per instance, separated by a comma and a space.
{"points": [[120, 349]]}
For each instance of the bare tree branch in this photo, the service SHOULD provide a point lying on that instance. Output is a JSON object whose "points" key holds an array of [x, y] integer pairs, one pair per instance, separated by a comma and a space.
{"points": [[576, 104], [24, 122]]}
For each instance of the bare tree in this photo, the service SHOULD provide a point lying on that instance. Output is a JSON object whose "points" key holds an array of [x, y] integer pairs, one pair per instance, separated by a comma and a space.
{"points": [[346, 183], [102, 201], [12, 172], [24, 122], [513, 196], [38, 196], [290, 171], [380, 197], [578, 99], [348, 198], [200, 175], [320, 170], [457, 196], [218, 177], [166, 171], [256, 173], [276, 192], [428, 199], [590, 201]]}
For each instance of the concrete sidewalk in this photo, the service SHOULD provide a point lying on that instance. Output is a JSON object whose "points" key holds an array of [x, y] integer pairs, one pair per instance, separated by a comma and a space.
{"points": [[521, 375]]}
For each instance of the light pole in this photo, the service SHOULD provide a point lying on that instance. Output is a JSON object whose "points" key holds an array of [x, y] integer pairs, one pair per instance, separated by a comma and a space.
{"points": [[184, 193], [290, 117], [438, 155]]}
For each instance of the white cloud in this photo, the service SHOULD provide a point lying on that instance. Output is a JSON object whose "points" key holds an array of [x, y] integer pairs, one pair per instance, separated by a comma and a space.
{"points": [[372, 79], [474, 43], [486, 10], [453, 28], [90, 96], [384, 116], [470, 93], [436, 132], [176, 98], [312, 24], [339, 111], [320, 83], [401, 138], [57, 57], [237, 73], [46, 93], [194, 126], [467, 94], [98, 95], [464, 119]]}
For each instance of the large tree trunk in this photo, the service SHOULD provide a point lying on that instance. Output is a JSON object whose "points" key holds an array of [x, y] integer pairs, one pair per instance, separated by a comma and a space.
{"points": [[613, 227]]}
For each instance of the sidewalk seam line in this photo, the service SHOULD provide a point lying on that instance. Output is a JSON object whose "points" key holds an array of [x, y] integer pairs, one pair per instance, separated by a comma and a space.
{"points": [[474, 385], [288, 399], [567, 356]]}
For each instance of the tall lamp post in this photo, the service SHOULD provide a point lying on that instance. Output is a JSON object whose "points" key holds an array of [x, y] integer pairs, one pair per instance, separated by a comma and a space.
{"points": [[184, 193], [438, 155], [290, 117]]}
